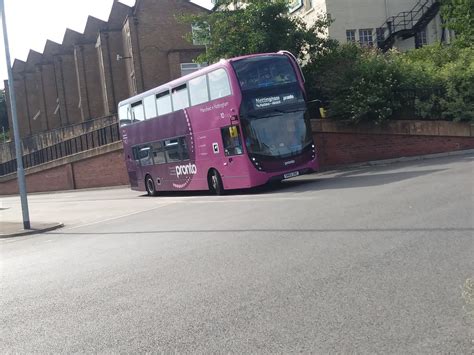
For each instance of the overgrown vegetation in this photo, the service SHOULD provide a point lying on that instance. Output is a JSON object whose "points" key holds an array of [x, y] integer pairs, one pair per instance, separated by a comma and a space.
{"points": [[356, 84], [459, 16], [363, 84], [261, 26]]}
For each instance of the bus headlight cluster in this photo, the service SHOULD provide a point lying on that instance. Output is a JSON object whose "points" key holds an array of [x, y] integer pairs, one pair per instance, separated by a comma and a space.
{"points": [[313, 149], [256, 164]]}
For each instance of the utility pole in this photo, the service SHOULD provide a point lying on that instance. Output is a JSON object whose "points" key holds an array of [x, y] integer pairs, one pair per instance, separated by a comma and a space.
{"points": [[16, 133]]}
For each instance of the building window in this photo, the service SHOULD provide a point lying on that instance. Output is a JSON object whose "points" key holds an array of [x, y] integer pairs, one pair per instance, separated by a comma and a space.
{"points": [[423, 37], [200, 34], [365, 37], [351, 35], [295, 5], [188, 68]]}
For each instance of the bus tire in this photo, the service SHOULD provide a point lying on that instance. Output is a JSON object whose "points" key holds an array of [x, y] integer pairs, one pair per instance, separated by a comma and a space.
{"points": [[215, 182], [150, 186]]}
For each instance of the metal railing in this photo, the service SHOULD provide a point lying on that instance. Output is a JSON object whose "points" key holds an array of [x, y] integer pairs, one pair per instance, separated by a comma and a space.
{"points": [[407, 23], [93, 139]]}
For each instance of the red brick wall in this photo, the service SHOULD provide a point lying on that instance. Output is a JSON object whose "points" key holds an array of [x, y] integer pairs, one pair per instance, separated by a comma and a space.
{"points": [[59, 178], [347, 148], [104, 170], [99, 171]]}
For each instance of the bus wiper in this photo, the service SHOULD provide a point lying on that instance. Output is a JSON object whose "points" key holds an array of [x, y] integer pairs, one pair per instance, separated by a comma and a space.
{"points": [[275, 110], [290, 111], [263, 116]]}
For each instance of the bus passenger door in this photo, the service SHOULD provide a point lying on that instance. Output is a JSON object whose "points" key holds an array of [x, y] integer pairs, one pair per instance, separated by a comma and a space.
{"points": [[141, 158], [234, 161], [132, 167]]}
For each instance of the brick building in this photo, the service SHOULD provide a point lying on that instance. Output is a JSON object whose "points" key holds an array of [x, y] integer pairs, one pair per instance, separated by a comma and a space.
{"points": [[86, 75]]}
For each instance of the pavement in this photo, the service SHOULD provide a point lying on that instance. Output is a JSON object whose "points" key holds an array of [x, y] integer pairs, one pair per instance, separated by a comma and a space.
{"points": [[16, 229]]}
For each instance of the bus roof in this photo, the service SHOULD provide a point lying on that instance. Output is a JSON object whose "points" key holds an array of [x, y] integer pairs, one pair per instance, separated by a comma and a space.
{"points": [[177, 82]]}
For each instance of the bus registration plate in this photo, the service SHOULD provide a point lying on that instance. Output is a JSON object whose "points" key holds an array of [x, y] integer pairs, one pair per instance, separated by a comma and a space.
{"points": [[290, 175]]}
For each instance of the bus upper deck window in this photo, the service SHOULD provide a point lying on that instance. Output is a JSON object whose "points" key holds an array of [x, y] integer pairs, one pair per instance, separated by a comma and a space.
{"points": [[138, 114], [180, 97], [150, 107], [219, 85], [124, 117], [198, 90], [163, 103]]}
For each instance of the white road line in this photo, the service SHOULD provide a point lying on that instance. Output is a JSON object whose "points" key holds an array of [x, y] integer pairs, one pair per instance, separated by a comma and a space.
{"points": [[114, 218]]}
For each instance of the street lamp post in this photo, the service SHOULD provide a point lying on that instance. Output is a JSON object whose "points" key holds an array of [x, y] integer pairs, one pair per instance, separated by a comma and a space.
{"points": [[16, 133]]}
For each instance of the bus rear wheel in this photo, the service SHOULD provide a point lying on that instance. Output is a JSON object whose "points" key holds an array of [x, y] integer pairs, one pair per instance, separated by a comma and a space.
{"points": [[215, 183], [150, 186]]}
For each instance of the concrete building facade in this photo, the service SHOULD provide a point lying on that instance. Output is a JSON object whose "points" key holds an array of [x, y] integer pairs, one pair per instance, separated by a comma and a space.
{"points": [[85, 76], [369, 21]]}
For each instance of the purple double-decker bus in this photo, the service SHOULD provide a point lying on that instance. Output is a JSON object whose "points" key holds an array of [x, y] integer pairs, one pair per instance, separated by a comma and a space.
{"points": [[236, 124]]}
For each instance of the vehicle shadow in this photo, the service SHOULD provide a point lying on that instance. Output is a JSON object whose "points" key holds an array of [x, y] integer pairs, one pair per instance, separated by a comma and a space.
{"points": [[348, 180], [354, 178]]}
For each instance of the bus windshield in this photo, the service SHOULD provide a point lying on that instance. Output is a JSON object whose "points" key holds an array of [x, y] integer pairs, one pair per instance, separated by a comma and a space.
{"points": [[273, 111], [264, 71], [281, 134]]}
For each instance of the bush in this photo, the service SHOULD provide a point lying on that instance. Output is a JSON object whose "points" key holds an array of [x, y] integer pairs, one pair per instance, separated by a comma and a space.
{"points": [[362, 84], [359, 84]]}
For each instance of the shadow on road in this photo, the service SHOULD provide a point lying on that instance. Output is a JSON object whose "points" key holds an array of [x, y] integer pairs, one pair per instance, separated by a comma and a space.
{"points": [[354, 178], [303, 230]]}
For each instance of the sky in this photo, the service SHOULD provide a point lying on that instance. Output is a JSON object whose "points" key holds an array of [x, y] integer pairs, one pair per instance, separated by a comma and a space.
{"points": [[32, 22]]}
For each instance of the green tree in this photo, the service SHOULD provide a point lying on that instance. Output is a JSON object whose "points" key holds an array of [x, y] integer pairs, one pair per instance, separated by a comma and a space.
{"points": [[459, 16], [260, 26]]}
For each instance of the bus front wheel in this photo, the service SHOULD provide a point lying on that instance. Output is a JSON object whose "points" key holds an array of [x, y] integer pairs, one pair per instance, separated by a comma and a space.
{"points": [[215, 182], [150, 186]]}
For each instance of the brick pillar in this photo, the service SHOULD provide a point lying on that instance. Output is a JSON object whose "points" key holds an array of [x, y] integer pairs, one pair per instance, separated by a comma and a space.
{"points": [[27, 113], [50, 95], [61, 100], [82, 82], [137, 56], [42, 97], [106, 73]]}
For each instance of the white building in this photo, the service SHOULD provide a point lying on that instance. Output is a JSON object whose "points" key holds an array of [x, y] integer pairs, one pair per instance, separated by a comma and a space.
{"points": [[403, 24]]}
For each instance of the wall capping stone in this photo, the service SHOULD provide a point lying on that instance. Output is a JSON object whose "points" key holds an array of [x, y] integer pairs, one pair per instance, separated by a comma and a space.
{"points": [[116, 146], [397, 127]]}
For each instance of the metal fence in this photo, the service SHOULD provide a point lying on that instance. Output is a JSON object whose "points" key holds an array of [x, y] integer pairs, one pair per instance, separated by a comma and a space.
{"points": [[93, 139]]}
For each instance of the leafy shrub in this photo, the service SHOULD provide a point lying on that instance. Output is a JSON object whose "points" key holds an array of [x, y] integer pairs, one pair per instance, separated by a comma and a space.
{"points": [[362, 84]]}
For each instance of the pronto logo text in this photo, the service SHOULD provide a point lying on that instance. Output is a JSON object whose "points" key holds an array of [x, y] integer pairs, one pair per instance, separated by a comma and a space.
{"points": [[189, 169]]}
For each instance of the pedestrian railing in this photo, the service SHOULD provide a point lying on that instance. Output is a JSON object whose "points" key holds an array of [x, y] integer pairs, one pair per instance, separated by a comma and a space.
{"points": [[93, 139]]}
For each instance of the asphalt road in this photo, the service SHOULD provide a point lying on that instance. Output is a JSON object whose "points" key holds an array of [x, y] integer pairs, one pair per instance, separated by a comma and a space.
{"points": [[368, 260]]}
